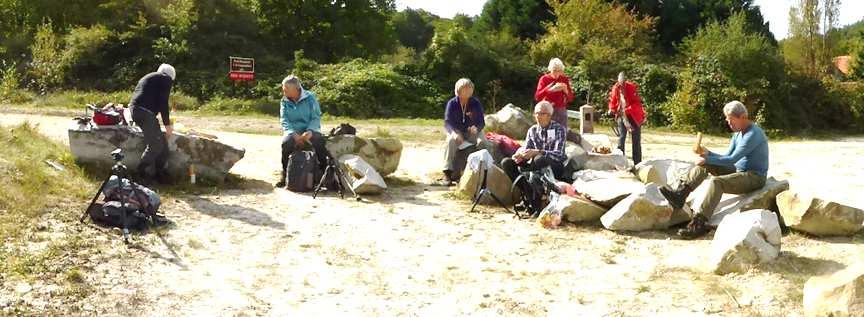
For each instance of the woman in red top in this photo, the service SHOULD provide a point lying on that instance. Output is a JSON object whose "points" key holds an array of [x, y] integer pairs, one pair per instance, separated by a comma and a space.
{"points": [[624, 97], [555, 88]]}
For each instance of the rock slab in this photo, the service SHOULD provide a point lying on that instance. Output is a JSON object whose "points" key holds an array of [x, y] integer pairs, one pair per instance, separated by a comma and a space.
{"points": [[212, 159], [744, 240], [510, 121], [363, 177], [606, 188], [838, 294], [819, 217], [645, 209], [382, 153]]}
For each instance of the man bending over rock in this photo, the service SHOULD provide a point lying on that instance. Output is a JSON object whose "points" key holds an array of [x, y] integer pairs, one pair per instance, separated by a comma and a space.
{"points": [[742, 169]]}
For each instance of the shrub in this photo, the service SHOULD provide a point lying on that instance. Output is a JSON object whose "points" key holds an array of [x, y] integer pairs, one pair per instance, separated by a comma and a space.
{"points": [[362, 89], [724, 62], [10, 85], [242, 106]]}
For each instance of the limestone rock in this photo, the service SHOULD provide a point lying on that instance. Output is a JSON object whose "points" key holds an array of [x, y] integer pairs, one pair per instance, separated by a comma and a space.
{"points": [[642, 210], [591, 140], [662, 171], [577, 209], [364, 179], [764, 198], [606, 188], [510, 121], [838, 294], [745, 239], [615, 161], [812, 215], [382, 153], [497, 182], [577, 156], [212, 159]]}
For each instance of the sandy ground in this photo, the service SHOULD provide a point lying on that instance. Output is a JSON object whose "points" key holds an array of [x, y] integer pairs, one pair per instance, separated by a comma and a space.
{"points": [[414, 251]]}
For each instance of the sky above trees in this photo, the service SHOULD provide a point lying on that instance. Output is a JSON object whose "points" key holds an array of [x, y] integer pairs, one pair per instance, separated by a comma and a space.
{"points": [[776, 12]]}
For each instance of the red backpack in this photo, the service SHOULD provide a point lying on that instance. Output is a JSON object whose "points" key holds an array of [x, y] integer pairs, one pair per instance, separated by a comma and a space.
{"points": [[507, 145]]}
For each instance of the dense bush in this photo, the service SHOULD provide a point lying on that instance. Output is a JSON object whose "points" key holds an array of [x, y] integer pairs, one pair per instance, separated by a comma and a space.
{"points": [[242, 106], [362, 89], [724, 62]]}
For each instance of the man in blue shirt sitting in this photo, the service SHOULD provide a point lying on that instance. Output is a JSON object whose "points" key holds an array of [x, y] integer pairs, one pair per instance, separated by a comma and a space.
{"points": [[742, 169], [300, 115]]}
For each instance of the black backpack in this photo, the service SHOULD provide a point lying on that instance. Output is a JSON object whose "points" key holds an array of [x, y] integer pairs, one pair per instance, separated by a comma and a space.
{"points": [[303, 171], [343, 129]]}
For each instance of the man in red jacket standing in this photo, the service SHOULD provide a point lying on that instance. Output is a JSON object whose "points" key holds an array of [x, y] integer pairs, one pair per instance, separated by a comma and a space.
{"points": [[625, 104], [554, 87]]}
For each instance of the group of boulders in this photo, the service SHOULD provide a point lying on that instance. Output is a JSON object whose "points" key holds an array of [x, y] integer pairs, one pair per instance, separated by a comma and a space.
{"points": [[627, 198]]}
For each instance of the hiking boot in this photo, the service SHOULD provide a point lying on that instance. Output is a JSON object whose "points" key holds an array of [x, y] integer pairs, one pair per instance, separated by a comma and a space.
{"points": [[444, 181], [676, 197], [160, 220], [281, 182], [696, 228]]}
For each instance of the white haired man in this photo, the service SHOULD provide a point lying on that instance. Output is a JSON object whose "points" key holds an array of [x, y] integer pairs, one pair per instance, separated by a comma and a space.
{"points": [[150, 98], [543, 147], [742, 169], [463, 120], [300, 116], [555, 88]]}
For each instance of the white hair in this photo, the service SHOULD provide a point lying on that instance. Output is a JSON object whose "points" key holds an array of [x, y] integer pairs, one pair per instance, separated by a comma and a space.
{"points": [[462, 83], [735, 108], [292, 81], [621, 77], [167, 70], [554, 64], [544, 105]]}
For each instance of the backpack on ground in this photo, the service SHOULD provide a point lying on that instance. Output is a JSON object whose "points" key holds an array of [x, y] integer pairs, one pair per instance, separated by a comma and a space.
{"points": [[126, 201], [303, 171]]}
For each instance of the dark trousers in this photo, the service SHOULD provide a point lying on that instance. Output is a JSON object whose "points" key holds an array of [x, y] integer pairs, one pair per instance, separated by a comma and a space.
{"points": [[156, 152], [637, 139], [510, 166], [289, 147]]}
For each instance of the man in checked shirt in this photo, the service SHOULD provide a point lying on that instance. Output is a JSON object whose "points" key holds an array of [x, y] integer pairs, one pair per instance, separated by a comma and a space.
{"points": [[544, 146]]}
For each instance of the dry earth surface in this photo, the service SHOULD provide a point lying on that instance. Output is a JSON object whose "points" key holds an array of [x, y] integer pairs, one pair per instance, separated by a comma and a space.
{"points": [[415, 251]]}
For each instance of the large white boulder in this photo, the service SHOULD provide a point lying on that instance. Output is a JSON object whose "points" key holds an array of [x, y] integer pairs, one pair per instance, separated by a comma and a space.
{"points": [[662, 171], [645, 209], [212, 159], [363, 177], [812, 215], [496, 181], [606, 188], [577, 209], [744, 240], [382, 153], [510, 121], [838, 294], [763, 198]]}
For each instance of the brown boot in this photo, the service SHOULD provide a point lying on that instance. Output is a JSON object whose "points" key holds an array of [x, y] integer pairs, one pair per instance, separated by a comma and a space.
{"points": [[696, 228]]}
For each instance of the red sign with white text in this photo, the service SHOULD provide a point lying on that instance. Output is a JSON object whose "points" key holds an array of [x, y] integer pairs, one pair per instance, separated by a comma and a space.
{"points": [[241, 68]]}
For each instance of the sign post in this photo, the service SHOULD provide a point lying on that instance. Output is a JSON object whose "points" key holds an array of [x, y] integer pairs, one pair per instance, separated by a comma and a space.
{"points": [[241, 68]]}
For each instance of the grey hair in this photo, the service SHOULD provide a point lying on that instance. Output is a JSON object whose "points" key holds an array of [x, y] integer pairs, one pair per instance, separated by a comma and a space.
{"points": [[555, 63], [622, 76], [544, 105], [167, 70], [292, 81], [735, 108], [462, 83]]}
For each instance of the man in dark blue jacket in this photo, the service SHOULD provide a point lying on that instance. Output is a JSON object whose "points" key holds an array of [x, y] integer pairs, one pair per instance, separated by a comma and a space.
{"points": [[149, 99]]}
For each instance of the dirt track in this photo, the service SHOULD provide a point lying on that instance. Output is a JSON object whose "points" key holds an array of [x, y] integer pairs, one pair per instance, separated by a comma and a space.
{"points": [[413, 251]]}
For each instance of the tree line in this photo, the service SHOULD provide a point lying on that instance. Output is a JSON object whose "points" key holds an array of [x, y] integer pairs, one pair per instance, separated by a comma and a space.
{"points": [[366, 59]]}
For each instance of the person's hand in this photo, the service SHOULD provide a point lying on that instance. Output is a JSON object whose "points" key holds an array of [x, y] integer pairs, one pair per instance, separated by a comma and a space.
{"points": [[700, 161], [456, 136], [298, 139], [307, 136], [533, 153], [472, 129], [701, 151], [557, 87], [169, 131]]}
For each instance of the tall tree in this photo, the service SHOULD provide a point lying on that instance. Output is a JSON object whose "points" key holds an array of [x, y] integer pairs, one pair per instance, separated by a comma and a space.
{"points": [[809, 47], [676, 19], [414, 28], [523, 18]]}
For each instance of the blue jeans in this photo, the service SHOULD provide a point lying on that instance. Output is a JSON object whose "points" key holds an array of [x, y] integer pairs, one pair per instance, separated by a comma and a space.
{"points": [[637, 139]]}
